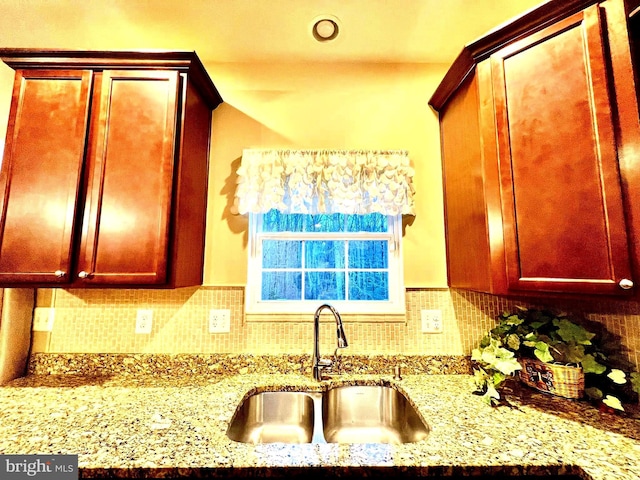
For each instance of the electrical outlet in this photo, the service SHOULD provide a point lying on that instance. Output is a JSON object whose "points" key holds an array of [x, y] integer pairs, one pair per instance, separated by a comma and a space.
{"points": [[431, 321], [144, 321], [219, 321], [43, 321]]}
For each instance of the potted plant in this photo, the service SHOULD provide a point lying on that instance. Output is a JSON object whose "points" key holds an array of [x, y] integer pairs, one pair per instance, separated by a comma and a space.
{"points": [[555, 354]]}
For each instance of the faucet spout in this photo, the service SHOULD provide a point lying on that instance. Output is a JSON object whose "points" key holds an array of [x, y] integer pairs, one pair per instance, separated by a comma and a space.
{"points": [[342, 338], [318, 362]]}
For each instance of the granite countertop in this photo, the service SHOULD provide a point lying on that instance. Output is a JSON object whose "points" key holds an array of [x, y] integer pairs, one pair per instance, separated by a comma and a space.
{"points": [[151, 426]]}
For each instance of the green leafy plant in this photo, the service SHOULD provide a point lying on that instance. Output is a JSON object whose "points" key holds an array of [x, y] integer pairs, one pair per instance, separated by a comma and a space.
{"points": [[552, 338]]}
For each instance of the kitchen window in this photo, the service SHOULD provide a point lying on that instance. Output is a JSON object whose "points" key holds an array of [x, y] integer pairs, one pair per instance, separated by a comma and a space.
{"points": [[298, 261], [325, 226]]}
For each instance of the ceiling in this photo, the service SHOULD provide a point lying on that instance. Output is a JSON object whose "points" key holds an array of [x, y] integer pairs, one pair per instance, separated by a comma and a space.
{"points": [[389, 31]]}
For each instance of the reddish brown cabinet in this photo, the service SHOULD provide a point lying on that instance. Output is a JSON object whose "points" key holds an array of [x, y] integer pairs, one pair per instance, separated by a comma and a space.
{"points": [[105, 168], [539, 130]]}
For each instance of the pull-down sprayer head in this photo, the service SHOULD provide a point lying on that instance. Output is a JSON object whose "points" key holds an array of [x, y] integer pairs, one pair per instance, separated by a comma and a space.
{"points": [[342, 338]]}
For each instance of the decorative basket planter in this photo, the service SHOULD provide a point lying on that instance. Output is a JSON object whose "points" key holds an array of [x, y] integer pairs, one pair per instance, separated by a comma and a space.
{"points": [[562, 380]]}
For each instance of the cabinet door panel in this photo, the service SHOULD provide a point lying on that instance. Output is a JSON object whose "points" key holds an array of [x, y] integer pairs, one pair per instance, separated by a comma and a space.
{"points": [[41, 174], [131, 160], [562, 202]]}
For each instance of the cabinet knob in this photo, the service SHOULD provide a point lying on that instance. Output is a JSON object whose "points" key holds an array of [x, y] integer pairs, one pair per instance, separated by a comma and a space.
{"points": [[625, 284], [83, 274], [59, 273]]}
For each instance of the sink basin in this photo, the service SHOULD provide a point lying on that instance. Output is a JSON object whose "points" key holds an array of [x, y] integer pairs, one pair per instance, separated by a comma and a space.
{"points": [[343, 414], [268, 417], [370, 414]]}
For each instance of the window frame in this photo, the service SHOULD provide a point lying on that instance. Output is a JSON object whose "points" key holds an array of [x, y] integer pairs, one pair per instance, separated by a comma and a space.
{"points": [[395, 304]]}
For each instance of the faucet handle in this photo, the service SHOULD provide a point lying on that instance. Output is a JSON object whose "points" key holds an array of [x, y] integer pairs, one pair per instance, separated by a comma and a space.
{"points": [[324, 362], [319, 365]]}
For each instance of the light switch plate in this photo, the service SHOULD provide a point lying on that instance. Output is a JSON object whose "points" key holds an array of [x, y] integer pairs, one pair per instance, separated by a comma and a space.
{"points": [[219, 321], [431, 321], [144, 321]]}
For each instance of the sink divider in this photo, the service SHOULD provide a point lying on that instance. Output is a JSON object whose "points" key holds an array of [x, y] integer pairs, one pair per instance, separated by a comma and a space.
{"points": [[318, 429]]}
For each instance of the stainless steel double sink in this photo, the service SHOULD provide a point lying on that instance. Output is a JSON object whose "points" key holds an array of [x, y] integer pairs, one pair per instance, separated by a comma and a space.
{"points": [[342, 414]]}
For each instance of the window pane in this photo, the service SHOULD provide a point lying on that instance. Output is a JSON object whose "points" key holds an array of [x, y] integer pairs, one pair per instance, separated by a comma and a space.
{"points": [[324, 254], [275, 221], [281, 285], [372, 222], [368, 254], [281, 254], [299, 258], [334, 222], [368, 286], [324, 286]]}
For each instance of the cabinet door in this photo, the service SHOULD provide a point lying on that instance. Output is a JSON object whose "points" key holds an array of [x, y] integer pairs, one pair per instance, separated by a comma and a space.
{"points": [[41, 175], [564, 225], [131, 153]]}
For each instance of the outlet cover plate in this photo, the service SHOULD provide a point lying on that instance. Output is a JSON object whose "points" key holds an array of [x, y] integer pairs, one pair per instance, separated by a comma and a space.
{"points": [[144, 321], [219, 321], [431, 321], [43, 321]]}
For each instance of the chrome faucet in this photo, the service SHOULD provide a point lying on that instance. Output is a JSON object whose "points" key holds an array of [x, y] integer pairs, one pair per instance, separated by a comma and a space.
{"points": [[318, 362]]}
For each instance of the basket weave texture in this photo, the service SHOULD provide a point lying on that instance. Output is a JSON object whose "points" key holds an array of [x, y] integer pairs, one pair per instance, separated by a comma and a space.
{"points": [[562, 380]]}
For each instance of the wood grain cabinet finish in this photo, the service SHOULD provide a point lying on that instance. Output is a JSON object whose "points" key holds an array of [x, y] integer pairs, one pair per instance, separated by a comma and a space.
{"points": [[539, 130], [104, 176]]}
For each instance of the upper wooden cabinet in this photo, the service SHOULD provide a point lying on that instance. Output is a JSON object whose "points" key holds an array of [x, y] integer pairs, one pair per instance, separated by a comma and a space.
{"points": [[540, 144], [104, 176]]}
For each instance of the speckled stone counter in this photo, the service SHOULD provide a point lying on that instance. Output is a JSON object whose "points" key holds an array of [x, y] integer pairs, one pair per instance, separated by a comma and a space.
{"points": [[151, 425]]}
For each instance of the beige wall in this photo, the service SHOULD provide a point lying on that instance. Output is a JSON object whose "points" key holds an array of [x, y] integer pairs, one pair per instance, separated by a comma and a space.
{"points": [[342, 106], [6, 86], [16, 310]]}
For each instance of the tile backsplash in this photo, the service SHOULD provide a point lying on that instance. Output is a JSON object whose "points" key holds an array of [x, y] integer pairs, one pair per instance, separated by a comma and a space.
{"points": [[103, 321]]}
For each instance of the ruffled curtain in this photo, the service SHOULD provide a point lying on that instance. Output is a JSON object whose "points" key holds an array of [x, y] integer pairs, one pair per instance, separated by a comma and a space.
{"points": [[325, 181]]}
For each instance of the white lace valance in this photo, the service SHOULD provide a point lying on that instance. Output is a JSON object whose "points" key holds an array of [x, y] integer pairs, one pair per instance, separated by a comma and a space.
{"points": [[325, 181]]}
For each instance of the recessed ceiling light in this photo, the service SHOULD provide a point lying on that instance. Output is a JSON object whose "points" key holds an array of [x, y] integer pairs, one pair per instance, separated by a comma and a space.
{"points": [[325, 28]]}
